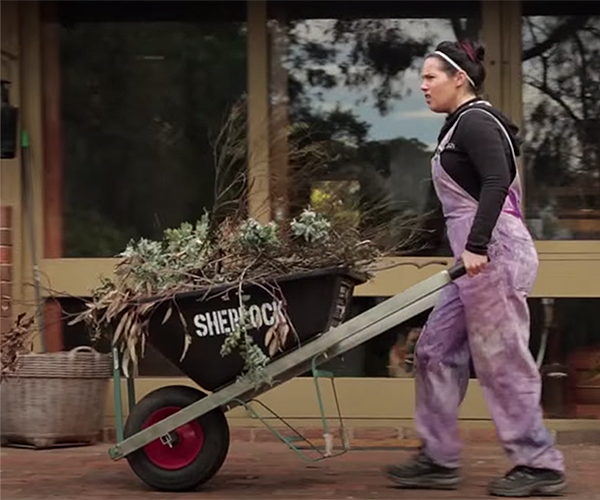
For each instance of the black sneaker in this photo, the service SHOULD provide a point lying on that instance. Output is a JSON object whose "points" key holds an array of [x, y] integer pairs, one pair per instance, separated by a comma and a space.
{"points": [[422, 472], [527, 481]]}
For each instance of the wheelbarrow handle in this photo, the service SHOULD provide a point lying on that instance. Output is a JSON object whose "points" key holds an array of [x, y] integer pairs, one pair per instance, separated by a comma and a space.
{"points": [[457, 270]]}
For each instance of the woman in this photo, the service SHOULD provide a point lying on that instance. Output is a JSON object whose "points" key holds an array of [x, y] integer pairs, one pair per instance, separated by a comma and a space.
{"points": [[484, 315]]}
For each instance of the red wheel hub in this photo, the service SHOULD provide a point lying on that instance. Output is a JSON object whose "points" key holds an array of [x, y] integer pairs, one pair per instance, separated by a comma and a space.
{"points": [[186, 442]]}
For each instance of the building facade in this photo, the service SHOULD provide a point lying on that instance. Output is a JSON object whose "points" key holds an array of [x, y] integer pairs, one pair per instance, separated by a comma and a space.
{"points": [[121, 102]]}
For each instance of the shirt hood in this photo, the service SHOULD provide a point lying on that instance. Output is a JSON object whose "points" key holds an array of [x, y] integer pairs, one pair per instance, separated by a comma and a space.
{"points": [[511, 128]]}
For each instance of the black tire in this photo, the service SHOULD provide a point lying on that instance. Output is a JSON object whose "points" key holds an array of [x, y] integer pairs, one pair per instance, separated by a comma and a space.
{"points": [[206, 463]]}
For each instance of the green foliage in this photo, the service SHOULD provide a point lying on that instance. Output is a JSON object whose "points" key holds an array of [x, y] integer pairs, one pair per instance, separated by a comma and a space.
{"points": [[154, 266], [188, 246], [258, 237], [143, 262], [311, 227], [255, 360]]}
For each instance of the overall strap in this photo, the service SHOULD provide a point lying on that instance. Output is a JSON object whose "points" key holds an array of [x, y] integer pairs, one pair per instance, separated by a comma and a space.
{"points": [[513, 196], [503, 128]]}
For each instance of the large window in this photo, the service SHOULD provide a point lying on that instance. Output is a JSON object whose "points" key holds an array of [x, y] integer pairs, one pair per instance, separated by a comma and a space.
{"points": [[144, 89], [561, 98], [564, 341], [351, 86]]}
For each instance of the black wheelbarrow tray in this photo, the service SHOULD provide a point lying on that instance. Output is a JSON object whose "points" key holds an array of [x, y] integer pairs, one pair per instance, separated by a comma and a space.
{"points": [[177, 437]]}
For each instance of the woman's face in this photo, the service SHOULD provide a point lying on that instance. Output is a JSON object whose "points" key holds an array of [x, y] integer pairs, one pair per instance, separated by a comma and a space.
{"points": [[441, 90]]}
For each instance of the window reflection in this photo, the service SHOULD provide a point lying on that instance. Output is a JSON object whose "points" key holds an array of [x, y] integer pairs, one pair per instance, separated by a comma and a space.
{"points": [[561, 98], [352, 86], [565, 339], [142, 103], [564, 342]]}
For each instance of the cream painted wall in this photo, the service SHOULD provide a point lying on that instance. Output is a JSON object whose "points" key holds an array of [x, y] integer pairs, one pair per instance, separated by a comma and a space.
{"points": [[567, 269], [360, 399], [363, 403]]}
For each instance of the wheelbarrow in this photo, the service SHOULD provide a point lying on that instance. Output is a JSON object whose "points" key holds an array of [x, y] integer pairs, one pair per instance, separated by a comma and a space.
{"points": [[177, 437]]}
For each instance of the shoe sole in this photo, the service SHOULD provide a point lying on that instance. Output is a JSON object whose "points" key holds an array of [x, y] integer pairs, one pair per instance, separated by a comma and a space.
{"points": [[426, 482], [548, 489]]}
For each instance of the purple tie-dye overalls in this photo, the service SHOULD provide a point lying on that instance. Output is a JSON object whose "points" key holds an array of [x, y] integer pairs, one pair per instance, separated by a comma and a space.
{"points": [[484, 317]]}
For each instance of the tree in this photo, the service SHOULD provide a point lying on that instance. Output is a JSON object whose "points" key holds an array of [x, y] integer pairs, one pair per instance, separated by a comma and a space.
{"points": [[561, 76]]}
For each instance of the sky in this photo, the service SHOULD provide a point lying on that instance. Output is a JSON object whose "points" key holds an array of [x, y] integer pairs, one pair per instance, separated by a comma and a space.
{"points": [[409, 117]]}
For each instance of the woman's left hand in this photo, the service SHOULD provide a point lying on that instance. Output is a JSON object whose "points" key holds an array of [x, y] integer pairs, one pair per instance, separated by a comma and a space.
{"points": [[473, 262]]}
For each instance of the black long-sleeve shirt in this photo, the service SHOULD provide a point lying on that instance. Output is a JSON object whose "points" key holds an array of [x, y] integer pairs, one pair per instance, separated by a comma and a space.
{"points": [[480, 161]]}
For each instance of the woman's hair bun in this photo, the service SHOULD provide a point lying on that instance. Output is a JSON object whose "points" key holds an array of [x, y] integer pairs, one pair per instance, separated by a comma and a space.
{"points": [[479, 52], [474, 51]]}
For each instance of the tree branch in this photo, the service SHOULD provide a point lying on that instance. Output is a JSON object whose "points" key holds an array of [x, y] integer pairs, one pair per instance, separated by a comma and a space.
{"points": [[558, 34], [458, 32], [529, 23], [583, 76], [555, 97]]}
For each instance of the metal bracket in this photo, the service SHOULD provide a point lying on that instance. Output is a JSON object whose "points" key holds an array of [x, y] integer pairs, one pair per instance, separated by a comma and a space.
{"points": [[167, 440], [298, 436]]}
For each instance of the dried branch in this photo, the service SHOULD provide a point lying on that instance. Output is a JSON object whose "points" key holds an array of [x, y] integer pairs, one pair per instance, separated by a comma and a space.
{"points": [[555, 96], [15, 342], [225, 247]]}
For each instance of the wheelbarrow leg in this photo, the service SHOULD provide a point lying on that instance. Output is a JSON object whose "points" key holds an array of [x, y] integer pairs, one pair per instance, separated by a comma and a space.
{"points": [[118, 395], [118, 399], [131, 392], [297, 435], [317, 374]]}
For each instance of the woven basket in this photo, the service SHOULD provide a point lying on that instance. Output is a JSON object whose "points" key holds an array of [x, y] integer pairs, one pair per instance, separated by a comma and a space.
{"points": [[55, 398]]}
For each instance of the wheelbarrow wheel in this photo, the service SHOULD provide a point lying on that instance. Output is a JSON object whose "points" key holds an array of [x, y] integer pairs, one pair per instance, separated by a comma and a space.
{"points": [[191, 455]]}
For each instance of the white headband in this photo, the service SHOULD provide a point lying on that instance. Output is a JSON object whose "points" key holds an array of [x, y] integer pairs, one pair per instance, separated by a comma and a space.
{"points": [[456, 66]]}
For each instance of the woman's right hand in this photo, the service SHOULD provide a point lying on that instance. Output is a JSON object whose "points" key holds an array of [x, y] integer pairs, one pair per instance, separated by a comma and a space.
{"points": [[474, 263]]}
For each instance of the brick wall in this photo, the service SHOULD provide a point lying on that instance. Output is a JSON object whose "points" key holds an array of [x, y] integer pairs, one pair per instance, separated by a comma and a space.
{"points": [[6, 268]]}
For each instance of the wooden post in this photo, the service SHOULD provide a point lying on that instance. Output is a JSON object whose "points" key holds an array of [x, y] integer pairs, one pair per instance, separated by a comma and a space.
{"points": [[259, 203]]}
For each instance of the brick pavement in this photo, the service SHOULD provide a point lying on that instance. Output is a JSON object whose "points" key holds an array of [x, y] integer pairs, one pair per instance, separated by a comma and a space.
{"points": [[264, 470]]}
